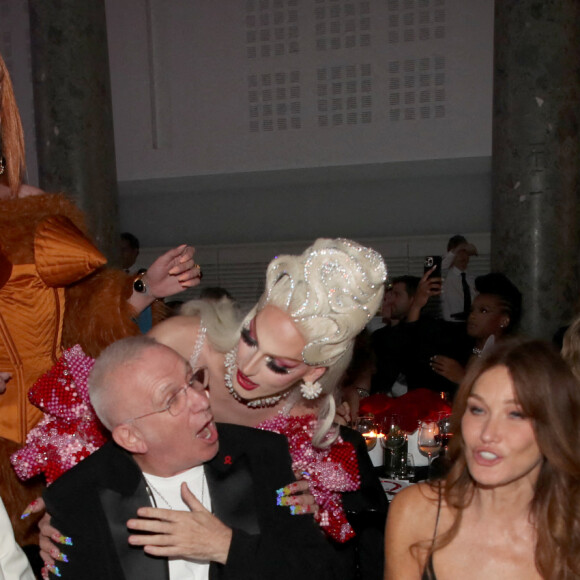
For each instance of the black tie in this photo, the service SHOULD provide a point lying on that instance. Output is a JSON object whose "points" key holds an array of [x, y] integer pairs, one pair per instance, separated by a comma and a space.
{"points": [[466, 295]]}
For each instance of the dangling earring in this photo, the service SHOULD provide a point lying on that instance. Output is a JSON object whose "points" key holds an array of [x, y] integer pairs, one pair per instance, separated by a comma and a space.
{"points": [[311, 390], [2, 164]]}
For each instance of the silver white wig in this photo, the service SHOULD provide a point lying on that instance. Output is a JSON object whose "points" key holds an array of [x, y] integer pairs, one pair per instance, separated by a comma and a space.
{"points": [[331, 292]]}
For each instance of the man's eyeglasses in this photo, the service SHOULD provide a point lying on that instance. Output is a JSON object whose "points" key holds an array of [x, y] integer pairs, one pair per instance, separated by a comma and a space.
{"points": [[198, 382]]}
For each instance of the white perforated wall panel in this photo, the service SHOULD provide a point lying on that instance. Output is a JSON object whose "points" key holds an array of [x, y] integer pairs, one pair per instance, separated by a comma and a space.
{"points": [[232, 86]]}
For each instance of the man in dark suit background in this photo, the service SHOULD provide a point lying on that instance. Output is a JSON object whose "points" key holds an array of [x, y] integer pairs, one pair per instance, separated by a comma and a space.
{"points": [[404, 350], [157, 410]]}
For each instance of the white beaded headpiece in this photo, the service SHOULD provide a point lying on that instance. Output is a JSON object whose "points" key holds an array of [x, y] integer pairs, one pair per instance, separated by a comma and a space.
{"points": [[331, 291]]}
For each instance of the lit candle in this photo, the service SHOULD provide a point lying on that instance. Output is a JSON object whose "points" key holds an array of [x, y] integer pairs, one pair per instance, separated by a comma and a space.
{"points": [[375, 451]]}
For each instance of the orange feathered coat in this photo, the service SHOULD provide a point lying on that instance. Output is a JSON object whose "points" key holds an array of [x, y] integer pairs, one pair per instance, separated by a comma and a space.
{"points": [[54, 293]]}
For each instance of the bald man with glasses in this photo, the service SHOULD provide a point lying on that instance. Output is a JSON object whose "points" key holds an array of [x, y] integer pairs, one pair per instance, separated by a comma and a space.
{"points": [[169, 499]]}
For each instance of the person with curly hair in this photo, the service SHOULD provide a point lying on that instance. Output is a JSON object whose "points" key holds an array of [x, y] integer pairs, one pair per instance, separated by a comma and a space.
{"points": [[495, 314]]}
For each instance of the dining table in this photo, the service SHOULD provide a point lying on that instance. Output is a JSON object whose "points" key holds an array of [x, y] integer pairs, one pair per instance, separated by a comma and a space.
{"points": [[392, 486]]}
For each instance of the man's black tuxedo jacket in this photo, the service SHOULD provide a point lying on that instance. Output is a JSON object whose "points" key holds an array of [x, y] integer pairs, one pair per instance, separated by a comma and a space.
{"points": [[93, 501]]}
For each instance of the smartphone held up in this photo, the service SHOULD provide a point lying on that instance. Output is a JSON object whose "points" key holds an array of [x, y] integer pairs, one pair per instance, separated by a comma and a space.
{"points": [[431, 261]]}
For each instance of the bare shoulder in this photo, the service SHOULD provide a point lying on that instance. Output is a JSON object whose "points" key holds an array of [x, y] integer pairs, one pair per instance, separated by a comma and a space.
{"points": [[24, 191], [418, 498], [410, 522], [29, 191], [176, 323], [177, 332]]}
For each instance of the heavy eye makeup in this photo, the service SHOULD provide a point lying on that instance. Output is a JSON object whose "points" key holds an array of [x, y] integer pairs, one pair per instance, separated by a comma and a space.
{"points": [[275, 367], [193, 382], [248, 338]]}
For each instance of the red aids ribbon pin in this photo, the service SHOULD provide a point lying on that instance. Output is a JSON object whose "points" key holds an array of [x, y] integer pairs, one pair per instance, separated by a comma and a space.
{"points": [[228, 460]]}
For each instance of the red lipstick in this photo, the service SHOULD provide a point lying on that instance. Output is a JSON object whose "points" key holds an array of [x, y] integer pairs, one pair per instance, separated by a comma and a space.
{"points": [[245, 382]]}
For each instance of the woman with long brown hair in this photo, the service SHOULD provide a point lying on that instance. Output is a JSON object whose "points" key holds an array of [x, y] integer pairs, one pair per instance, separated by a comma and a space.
{"points": [[510, 505]]}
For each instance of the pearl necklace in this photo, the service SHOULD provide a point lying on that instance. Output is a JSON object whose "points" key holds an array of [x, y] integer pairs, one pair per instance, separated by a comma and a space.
{"points": [[152, 488], [230, 364]]}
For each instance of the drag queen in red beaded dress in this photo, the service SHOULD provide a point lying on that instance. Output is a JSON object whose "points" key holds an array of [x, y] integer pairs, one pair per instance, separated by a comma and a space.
{"points": [[283, 373]]}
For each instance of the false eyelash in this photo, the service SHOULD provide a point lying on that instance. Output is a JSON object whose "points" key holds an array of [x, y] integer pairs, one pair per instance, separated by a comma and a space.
{"points": [[275, 367], [248, 339]]}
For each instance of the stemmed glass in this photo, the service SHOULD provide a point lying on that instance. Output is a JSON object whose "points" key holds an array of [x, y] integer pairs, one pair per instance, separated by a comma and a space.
{"points": [[445, 432], [428, 441], [393, 440], [367, 427]]}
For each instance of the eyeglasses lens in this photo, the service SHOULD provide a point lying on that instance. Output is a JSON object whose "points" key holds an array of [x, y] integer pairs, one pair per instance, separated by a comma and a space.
{"points": [[200, 378], [198, 382]]}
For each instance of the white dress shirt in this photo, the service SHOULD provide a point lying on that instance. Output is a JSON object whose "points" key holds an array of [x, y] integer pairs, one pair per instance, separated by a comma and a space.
{"points": [[167, 494], [452, 293], [13, 562]]}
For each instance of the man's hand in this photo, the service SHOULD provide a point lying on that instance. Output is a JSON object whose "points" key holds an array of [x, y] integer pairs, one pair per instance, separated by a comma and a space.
{"points": [[471, 249], [447, 367], [197, 534], [4, 378], [427, 287]]}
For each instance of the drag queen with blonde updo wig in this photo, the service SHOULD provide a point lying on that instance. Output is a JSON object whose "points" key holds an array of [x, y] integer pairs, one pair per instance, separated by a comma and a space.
{"points": [[291, 350], [280, 368]]}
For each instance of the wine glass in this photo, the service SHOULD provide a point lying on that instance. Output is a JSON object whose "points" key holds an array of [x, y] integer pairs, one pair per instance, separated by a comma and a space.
{"points": [[394, 436], [367, 427], [428, 441], [445, 432], [393, 440]]}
